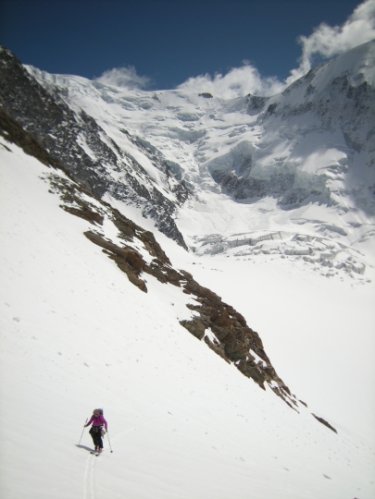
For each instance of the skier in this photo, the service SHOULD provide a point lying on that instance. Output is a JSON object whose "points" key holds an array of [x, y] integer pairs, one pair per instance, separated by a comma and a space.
{"points": [[98, 429]]}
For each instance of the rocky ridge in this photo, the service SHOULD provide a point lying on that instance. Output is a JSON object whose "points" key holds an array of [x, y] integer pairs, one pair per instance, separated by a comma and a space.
{"points": [[88, 154]]}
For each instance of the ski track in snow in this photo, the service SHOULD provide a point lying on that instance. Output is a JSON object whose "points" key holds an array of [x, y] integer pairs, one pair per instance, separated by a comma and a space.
{"points": [[89, 477], [89, 474]]}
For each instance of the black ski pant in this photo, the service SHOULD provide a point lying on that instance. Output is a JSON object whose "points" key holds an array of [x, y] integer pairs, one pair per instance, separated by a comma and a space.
{"points": [[96, 433]]}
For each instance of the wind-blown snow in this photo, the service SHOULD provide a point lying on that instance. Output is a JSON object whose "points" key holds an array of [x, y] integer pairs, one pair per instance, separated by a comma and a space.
{"points": [[75, 334]]}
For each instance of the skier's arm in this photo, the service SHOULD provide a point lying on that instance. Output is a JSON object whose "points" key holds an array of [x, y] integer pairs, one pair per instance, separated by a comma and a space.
{"points": [[89, 422]]}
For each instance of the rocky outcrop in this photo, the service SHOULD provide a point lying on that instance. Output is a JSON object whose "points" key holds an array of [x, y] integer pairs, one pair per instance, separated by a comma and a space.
{"points": [[324, 422]]}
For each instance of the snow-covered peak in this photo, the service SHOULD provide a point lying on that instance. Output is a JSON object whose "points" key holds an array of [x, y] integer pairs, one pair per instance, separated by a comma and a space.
{"points": [[356, 66]]}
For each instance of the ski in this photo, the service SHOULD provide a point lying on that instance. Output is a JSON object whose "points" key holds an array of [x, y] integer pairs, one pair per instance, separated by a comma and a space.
{"points": [[95, 453]]}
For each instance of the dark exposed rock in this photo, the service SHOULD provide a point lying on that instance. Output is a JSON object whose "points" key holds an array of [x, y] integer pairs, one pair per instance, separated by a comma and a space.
{"points": [[128, 260], [325, 423], [85, 213], [251, 371], [196, 327], [15, 134], [255, 103]]}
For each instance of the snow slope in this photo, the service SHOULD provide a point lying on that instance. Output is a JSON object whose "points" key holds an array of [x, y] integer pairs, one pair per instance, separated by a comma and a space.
{"points": [[76, 334]]}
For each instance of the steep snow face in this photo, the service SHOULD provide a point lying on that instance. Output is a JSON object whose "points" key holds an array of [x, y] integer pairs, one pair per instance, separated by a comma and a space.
{"points": [[333, 108], [315, 145], [76, 334], [358, 64], [295, 170]]}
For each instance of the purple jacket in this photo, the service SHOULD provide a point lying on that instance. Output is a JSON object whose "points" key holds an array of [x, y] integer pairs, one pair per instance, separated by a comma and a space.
{"points": [[98, 421]]}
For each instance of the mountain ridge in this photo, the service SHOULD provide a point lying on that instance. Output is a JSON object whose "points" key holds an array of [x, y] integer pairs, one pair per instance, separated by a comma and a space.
{"points": [[309, 150]]}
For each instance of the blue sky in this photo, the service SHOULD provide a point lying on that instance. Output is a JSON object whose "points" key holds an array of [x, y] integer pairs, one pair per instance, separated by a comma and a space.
{"points": [[167, 41]]}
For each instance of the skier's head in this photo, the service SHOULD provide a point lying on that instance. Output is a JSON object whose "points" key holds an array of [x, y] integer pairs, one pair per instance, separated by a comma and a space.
{"points": [[98, 412]]}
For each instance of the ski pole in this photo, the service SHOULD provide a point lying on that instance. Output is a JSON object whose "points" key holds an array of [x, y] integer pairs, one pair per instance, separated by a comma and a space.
{"points": [[83, 429], [109, 442]]}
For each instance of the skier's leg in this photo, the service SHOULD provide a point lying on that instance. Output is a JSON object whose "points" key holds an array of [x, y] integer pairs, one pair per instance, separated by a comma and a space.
{"points": [[100, 441], [93, 437], [96, 441]]}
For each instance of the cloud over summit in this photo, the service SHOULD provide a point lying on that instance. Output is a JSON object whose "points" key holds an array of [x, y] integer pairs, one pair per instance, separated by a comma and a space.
{"points": [[324, 42], [126, 77], [235, 83], [327, 41]]}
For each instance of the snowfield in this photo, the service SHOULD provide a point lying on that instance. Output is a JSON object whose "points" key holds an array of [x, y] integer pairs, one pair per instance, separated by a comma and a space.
{"points": [[183, 424]]}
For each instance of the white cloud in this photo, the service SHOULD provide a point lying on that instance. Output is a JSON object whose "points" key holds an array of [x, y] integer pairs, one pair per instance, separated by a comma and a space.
{"points": [[236, 83], [124, 77], [327, 41]]}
